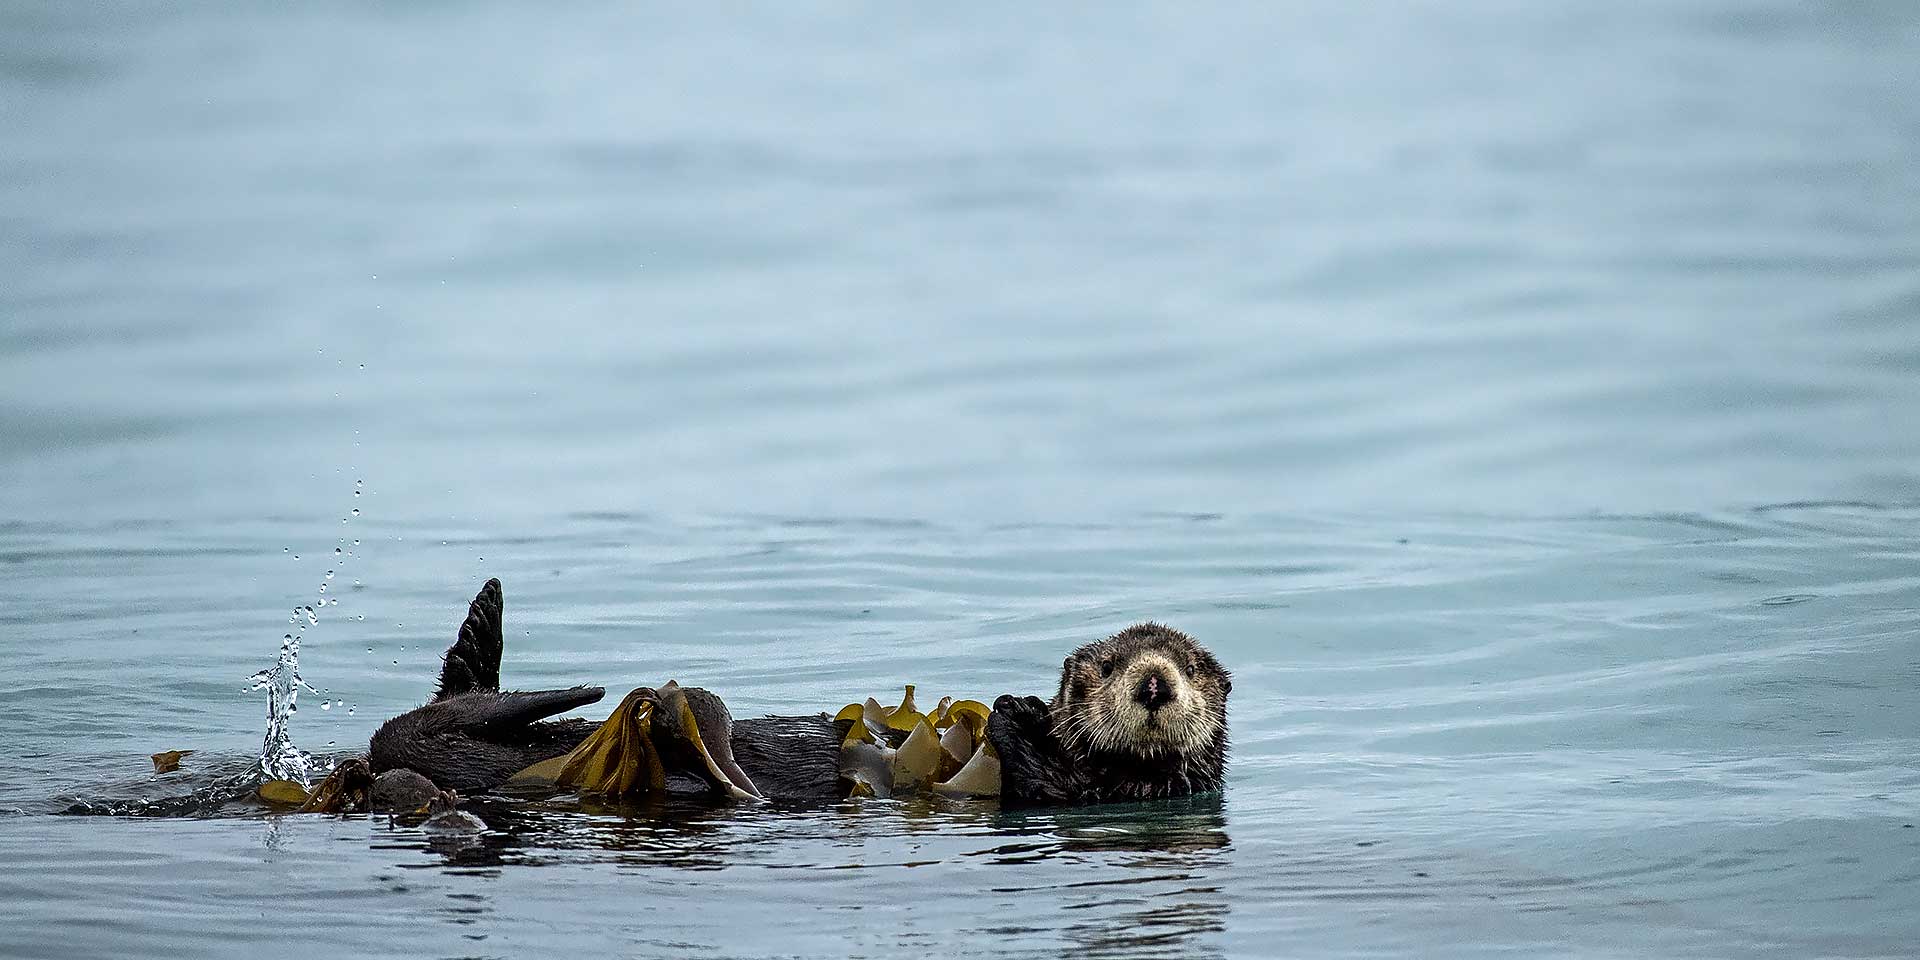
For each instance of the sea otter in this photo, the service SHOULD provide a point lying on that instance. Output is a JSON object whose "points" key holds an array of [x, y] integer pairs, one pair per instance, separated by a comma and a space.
{"points": [[1138, 715]]}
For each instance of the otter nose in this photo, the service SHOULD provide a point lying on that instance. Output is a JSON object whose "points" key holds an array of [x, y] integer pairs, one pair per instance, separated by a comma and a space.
{"points": [[1153, 692]]}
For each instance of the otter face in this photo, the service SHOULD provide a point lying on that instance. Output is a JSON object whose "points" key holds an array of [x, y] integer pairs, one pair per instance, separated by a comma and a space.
{"points": [[1148, 690]]}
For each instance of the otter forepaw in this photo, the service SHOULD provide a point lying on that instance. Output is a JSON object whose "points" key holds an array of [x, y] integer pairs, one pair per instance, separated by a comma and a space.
{"points": [[1032, 767], [1029, 713]]}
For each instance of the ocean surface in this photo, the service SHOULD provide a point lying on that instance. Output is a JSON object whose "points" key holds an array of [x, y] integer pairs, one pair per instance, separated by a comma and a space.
{"points": [[1522, 399]]}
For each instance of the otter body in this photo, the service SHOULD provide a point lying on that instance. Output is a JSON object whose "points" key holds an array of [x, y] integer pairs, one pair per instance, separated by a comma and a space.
{"points": [[473, 736], [1139, 715]]}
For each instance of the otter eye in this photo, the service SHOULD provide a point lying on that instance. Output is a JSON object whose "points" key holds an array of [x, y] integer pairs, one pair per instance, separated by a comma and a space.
{"points": [[1106, 668]]}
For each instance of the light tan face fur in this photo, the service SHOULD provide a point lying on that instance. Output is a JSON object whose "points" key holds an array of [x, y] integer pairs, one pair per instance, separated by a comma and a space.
{"points": [[1096, 709]]}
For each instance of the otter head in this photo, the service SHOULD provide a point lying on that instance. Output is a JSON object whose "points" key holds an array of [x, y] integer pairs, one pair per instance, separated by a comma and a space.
{"points": [[1148, 690]]}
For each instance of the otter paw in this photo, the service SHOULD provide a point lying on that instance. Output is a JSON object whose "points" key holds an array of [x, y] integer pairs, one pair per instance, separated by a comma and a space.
{"points": [[1032, 767], [1021, 711]]}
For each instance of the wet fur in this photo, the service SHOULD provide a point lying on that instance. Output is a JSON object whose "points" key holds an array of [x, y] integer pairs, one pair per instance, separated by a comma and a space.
{"points": [[474, 736], [1095, 743], [1080, 748]]}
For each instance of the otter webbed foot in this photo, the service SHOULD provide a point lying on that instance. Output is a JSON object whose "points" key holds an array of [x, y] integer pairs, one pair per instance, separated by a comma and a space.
{"points": [[472, 736], [473, 662], [1033, 767]]}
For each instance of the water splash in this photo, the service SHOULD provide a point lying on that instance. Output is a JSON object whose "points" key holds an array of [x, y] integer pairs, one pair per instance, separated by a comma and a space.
{"points": [[279, 758]]}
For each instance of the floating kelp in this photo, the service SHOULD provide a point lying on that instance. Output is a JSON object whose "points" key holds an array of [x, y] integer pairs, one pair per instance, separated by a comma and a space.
{"points": [[618, 759], [706, 745], [169, 760], [945, 750], [650, 731], [284, 793], [687, 731]]}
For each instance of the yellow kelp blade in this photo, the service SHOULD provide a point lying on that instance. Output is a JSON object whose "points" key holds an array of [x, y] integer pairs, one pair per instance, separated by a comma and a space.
{"points": [[617, 759], [943, 745], [169, 760], [726, 775], [867, 770], [956, 747], [979, 778], [873, 717], [918, 759], [857, 731], [282, 792], [972, 713], [547, 770]]}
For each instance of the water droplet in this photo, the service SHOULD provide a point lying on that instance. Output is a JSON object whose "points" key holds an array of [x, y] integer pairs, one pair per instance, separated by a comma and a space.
{"points": [[356, 543], [330, 743], [296, 556], [350, 710], [356, 511], [369, 649], [286, 549], [330, 572], [333, 601], [483, 559], [323, 588], [396, 663], [324, 705], [336, 551], [356, 493]]}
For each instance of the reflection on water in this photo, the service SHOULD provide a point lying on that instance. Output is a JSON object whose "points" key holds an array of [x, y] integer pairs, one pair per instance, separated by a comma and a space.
{"points": [[1139, 879]]}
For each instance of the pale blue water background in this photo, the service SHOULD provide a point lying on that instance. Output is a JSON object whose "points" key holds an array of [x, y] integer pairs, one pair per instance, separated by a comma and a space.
{"points": [[1523, 398]]}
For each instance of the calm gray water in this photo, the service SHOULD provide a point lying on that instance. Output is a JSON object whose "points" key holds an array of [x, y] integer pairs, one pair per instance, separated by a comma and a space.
{"points": [[1521, 398]]}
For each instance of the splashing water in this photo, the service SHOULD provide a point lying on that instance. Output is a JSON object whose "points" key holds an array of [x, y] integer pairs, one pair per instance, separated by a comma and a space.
{"points": [[279, 758]]}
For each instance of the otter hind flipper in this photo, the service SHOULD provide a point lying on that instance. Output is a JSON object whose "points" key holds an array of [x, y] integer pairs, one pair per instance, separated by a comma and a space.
{"points": [[473, 662], [520, 708]]}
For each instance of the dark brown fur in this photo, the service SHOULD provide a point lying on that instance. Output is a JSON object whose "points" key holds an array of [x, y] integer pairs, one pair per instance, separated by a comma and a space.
{"points": [[473, 736], [1107, 735]]}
